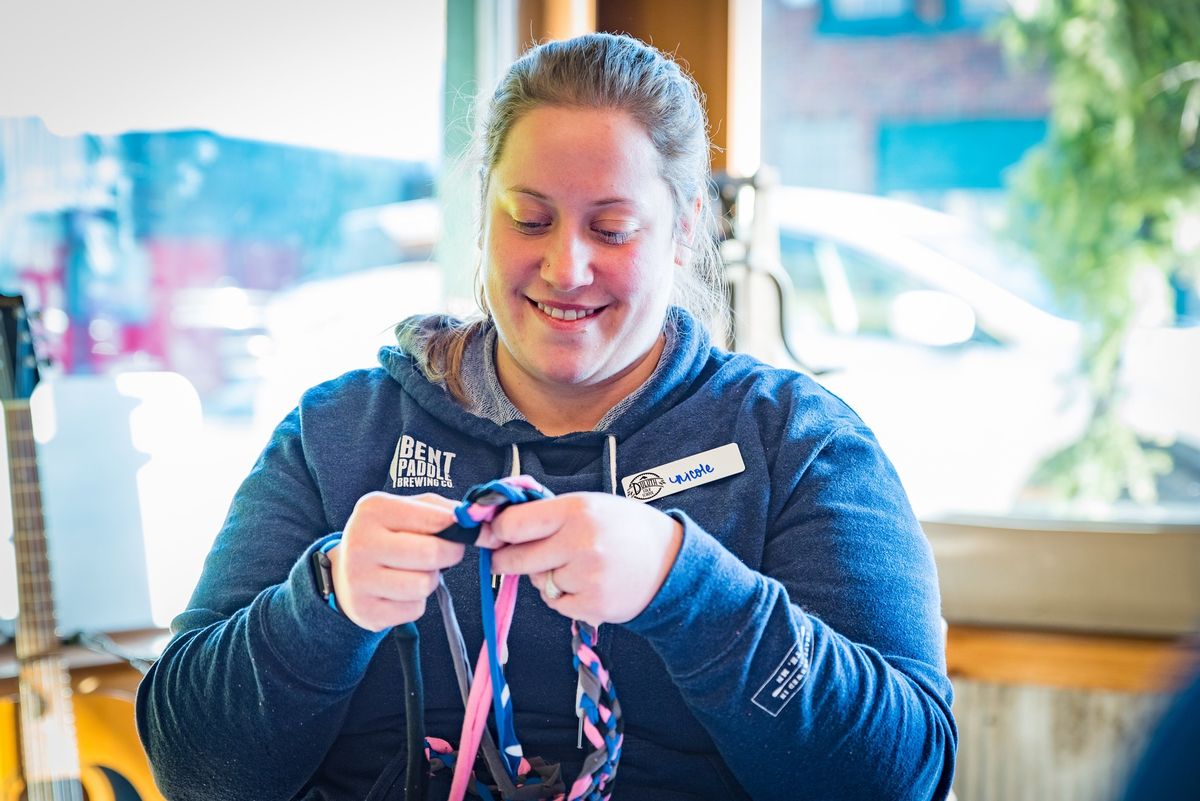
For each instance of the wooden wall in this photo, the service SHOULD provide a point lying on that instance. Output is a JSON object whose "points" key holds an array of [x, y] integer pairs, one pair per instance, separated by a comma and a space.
{"points": [[696, 32]]}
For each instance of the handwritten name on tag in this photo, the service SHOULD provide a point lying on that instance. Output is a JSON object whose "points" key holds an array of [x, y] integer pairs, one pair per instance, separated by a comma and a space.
{"points": [[681, 474]]}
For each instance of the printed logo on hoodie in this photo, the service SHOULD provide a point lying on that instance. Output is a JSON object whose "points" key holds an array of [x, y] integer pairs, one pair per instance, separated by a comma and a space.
{"points": [[416, 464]]}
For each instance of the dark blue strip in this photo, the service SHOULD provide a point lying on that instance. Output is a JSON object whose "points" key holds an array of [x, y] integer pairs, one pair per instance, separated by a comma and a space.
{"points": [[505, 730]]}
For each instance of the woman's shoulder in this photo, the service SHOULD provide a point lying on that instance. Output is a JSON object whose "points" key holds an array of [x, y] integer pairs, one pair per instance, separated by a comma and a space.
{"points": [[780, 394], [350, 390]]}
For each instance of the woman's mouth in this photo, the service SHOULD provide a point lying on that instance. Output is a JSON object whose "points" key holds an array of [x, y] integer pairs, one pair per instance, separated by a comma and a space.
{"points": [[566, 315]]}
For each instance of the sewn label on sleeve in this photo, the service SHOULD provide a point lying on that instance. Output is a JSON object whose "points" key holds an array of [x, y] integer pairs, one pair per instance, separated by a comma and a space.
{"points": [[685, 473], [785, 682]]}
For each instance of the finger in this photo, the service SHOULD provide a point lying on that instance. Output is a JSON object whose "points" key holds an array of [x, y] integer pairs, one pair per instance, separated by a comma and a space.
{"points": [[401, 513], [404, 551], [574, 607], [539, 580], [378, 614], [398, 585], [529, 558], [527, 522], [434, 499]]}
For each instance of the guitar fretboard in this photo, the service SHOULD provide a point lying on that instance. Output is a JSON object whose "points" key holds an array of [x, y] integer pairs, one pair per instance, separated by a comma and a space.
{"points": [[48, 744]]}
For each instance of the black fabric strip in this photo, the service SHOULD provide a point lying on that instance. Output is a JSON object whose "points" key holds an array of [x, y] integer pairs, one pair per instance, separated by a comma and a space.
{"points": [[456, 533], [417, 775], [416, 772]]}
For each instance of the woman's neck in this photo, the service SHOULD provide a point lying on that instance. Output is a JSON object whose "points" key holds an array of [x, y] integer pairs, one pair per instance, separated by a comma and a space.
{"points": [[554, 409]]}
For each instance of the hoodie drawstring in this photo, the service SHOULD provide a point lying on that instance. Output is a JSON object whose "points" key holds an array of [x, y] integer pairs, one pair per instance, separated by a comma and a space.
{"points": [[612, 464], [611, 441]]}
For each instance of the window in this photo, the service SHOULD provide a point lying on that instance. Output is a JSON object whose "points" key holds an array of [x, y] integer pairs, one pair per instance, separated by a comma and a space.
{"points": [[842, 290], [200, 242]]}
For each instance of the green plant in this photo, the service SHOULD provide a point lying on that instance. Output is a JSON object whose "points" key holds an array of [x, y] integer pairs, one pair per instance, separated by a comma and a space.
{"points": [[1106, 200]]}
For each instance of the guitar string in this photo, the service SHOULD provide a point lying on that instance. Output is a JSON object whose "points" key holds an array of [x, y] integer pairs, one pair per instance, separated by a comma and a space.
{"points": [[65, 774], [31, 735], [21, 543], [49, 673], [22, 451], [34, 769], [34, 645]]}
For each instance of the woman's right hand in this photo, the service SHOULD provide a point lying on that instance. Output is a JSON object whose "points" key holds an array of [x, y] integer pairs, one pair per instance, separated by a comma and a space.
{"points": [[388, 562]]}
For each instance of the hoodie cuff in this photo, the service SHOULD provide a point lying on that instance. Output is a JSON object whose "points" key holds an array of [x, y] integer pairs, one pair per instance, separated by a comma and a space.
{"points": [[706, 583], [315, 642]]}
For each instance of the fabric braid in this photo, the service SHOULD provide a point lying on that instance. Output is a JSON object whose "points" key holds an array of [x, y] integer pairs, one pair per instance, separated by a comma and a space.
{"points": [[602, 724]]}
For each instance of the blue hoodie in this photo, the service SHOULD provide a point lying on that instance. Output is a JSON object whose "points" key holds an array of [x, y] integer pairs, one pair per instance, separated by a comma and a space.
{"points": [[794, 651]]}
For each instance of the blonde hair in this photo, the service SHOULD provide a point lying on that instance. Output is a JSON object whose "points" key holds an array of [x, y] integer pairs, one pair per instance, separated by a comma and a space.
{"points": [[606, 71]]}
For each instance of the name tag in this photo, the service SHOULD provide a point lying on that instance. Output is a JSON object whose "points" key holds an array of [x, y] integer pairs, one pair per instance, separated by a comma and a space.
{"points": [[691, 471]]}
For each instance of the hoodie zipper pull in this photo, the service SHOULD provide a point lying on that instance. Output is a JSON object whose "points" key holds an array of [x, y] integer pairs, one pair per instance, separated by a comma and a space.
{"points": [[579, 713]]}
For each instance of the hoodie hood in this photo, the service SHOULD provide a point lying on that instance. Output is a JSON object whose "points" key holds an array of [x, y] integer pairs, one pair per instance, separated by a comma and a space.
{"points": [[664, 389]]}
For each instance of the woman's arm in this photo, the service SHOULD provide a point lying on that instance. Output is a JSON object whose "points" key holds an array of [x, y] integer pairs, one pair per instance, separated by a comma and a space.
{"points": [[252, 690], [822, 676]]}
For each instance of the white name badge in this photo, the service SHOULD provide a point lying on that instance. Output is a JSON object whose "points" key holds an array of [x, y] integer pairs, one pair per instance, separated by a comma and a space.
{"points": [[682, 474]]}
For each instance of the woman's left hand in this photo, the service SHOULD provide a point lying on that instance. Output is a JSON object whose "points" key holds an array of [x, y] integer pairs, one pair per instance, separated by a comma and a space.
{"points": [[609, 555]]}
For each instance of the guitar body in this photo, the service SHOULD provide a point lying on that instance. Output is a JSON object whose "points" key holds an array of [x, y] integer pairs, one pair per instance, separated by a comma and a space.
{"points": [[112, 765]]}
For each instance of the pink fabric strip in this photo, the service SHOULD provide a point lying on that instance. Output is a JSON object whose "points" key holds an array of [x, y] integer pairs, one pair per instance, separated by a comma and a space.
{"points": [[479, 699], [588, 656], [580, 787], [438, 745]]}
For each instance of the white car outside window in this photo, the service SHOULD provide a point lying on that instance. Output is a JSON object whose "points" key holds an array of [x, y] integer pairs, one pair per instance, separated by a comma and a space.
{"points": [[946, 343]]}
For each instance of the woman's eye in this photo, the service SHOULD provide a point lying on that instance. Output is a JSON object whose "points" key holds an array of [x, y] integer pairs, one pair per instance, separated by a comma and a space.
{"points": [[614, 237], [530, 226]]}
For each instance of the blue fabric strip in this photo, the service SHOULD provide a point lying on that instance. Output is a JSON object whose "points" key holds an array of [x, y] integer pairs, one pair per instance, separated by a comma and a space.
{"points": [[510, 746]]}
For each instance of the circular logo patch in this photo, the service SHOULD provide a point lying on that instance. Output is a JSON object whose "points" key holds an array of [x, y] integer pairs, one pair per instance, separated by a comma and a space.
{"points": [[645, 486]]}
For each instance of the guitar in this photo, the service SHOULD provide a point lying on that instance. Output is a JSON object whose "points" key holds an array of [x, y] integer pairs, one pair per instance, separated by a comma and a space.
{"points": [[53, 746]]}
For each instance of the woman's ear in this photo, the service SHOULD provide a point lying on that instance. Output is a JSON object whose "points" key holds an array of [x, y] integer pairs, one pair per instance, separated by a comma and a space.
{"points": [[686, 232]]}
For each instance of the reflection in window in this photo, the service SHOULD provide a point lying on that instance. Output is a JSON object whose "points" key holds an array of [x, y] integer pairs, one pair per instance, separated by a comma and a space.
{"points": [[868, 9], [907, 111], [890, 17], [186, 252]]}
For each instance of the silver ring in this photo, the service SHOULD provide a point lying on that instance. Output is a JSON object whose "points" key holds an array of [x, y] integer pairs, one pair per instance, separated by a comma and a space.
{"points": [[550, 589]]}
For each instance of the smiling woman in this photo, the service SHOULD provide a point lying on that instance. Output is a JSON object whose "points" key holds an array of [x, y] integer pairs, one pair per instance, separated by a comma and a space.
{"points": [[767, 603], [579, 262]]}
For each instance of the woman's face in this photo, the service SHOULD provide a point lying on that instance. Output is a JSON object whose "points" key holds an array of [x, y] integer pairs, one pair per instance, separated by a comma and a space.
{"points": [[579, 250]]}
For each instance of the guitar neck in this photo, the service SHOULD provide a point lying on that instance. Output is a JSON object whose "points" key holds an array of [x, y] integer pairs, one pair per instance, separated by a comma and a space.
{"points": [[48, 743], [36, 629]]}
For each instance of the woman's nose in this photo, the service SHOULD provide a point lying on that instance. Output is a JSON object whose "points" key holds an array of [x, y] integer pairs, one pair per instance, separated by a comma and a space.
{"points": [[567, 263]]}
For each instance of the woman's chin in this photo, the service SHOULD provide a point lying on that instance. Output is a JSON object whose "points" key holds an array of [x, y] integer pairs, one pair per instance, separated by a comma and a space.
{"points": [[564, 376]]}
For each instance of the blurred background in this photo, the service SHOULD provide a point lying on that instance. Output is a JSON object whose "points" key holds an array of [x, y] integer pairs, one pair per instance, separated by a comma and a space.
{"points": [[976, 221]]}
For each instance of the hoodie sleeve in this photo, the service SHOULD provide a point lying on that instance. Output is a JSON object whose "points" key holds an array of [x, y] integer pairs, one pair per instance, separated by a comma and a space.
{"points": [[823, 675], [250, 693]]}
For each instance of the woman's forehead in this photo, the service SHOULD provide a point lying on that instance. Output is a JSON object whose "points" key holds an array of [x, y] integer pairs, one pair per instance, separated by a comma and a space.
{"points": [[603, 154]]}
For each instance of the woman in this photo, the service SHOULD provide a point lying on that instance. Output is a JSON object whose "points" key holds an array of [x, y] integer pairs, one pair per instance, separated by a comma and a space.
{"points": [[772, 610]]}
